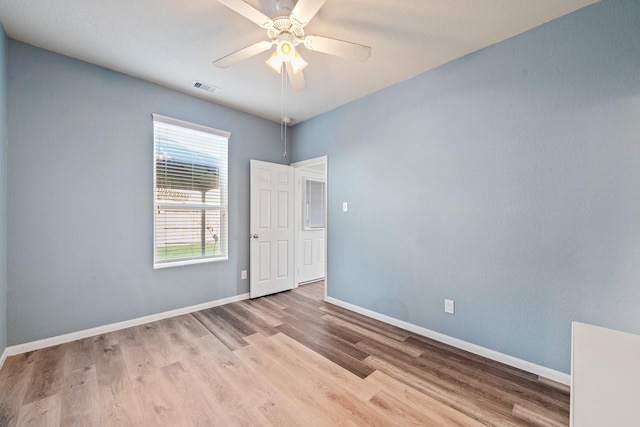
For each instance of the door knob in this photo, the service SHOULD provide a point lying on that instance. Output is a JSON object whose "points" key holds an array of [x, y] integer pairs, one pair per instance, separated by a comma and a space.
{"points": [[255, 236]]}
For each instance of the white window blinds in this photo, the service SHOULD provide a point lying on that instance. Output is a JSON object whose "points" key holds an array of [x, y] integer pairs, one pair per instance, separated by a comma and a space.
{"points": [[190, 192]]}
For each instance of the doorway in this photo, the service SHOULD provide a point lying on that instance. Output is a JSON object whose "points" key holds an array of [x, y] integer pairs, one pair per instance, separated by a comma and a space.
{"points": [[288, 225], [311, 221]]}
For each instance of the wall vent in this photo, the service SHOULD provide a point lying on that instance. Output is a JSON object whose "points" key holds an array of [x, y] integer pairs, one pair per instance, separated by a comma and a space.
{"points": [[205, 86]]}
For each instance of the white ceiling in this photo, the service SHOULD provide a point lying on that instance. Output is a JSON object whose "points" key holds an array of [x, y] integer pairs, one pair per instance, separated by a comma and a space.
{"points": [[172, 42]]}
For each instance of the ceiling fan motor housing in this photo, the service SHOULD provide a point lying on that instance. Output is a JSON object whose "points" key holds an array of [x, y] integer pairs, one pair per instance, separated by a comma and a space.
{"points": [[283, 24]]}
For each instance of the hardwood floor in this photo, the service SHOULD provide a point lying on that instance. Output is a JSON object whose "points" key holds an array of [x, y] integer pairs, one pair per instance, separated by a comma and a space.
{"points": [[285, 360]]}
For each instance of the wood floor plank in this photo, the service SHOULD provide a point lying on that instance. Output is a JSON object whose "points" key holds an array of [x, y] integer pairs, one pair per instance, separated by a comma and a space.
{"points": [[140, 364], [263, 312], [415, 407], [474, 358], [452, 382], [292, 353], [79, 355], [310, 320], [298, 300], [78, 404], [321, 347], [327, 337], [512, 379], [184, 327], [166, 340], [258, 324], [49, 364], [539, 416], [15, 376], [312, 290], [379, 327], [161, 405], [355, 324], [492, 381], [375, 336], [344, 387], [221, 329], [281, 412], [192, 398], [289, 359], [266, 307], [115, 392], [224, 367], [443, 393], [41, 413], [322, 402], [563, 389], [285, 384], [240, 325]]}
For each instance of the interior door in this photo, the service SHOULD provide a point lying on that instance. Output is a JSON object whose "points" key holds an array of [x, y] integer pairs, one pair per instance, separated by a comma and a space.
{"points": [[272, 228]]}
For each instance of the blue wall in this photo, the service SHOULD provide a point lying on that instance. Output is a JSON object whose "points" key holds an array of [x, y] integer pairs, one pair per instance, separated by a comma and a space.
{"points": [[3, 190], [80, 188], [508, 181]]}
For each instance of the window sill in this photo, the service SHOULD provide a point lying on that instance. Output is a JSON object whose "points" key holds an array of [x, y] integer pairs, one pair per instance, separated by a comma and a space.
{"points": [[187, 262]]}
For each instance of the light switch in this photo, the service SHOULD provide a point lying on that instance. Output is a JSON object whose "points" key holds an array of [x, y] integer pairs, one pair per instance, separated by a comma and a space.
{"points": [[345, 206]]}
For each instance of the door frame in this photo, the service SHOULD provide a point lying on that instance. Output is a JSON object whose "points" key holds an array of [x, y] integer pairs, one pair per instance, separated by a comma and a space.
{"points": [[303, 164]]}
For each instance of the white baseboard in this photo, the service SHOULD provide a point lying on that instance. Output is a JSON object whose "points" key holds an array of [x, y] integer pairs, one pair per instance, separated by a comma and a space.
{"points": [[455, 342], [61, 339], [3, 357]]}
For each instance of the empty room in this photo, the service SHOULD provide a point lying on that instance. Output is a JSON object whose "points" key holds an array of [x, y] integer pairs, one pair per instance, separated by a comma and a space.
{"points": [[319, 213]]}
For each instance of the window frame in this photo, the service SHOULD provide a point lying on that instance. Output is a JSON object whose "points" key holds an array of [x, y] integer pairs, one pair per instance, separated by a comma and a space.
{"points": [[307, 203], [219, 137]]}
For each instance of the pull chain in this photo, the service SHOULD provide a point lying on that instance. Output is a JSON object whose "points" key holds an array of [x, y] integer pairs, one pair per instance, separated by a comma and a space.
{"points": [[282, 101], [283, 111]]}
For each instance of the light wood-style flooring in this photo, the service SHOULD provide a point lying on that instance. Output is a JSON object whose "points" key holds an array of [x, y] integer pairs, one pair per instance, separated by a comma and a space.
{"points": [[285, 360]]}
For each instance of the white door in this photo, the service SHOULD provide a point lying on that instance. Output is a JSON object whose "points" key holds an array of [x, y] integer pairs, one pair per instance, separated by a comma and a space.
{"points": [[272, 228], [310, 225]]}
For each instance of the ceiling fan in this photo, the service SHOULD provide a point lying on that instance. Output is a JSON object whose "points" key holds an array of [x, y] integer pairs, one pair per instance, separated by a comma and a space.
{"points": [[287, 32]]}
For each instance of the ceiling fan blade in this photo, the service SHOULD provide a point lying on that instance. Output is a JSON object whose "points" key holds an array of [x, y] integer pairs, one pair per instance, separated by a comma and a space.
{"points": [[242, 54], [304, 10], [249, 12], [296, 80], [349, 50]]}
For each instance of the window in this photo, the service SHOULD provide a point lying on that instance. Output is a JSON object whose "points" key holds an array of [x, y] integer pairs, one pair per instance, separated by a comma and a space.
{"points": [[190, 192], [314, 204]]}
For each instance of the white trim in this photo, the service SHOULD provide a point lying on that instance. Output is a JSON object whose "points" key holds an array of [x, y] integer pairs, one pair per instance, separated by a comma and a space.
{"points": [[61, 339], [166, 264], [190, 125], [572, 397], [3, 357], [455, 342], [314, 161]]}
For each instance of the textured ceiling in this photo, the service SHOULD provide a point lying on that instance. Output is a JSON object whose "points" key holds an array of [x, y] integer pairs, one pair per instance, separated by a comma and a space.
{"points": [[172, 42]]}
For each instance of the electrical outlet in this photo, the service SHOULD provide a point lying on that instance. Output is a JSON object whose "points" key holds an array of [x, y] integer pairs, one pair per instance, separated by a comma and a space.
{"points": [[243, 274], [449, 306]]}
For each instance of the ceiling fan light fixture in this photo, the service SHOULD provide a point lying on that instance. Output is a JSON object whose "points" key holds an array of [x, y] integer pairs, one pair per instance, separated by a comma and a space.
{"points": [[286, 50], [275, 62], [298, 63]]}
